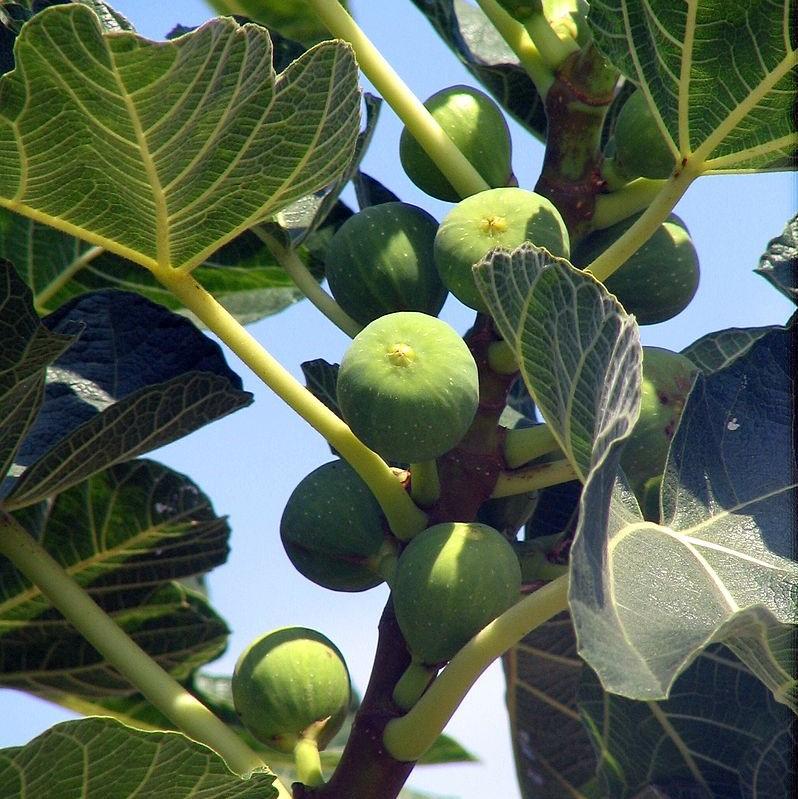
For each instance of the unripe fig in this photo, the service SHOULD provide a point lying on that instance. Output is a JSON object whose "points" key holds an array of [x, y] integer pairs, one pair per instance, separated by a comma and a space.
{"points": [[640, 148], [451, 581], [476, 125], [408, 387], [497, 218], [333, 529], [380, 261], [289, 684], [659, 280], [667, 379]]}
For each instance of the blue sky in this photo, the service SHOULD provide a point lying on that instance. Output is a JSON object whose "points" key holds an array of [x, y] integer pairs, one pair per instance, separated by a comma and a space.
{"points": [[249, 463]]}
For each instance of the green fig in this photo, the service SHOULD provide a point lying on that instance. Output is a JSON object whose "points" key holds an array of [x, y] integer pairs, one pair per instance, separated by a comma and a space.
{"points": [[641, 149], [408, 387], [452, 580], [497, 218], [290, 684], [476, 125], [380, 261], [667, 379], [333, 530], [659, 280]]}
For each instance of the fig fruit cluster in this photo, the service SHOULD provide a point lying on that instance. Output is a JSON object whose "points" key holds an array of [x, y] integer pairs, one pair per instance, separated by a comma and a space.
{"points": [[476, 125], [381, 261], [291, 684], [452, 580], [408, 387], [333, 530], [659, 280], [667, 380]]}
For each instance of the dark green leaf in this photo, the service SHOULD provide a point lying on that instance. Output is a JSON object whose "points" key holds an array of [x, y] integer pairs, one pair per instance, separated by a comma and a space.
{"points": [[138, 377], [717, 350], [721, 76], [719, 735], [645, 597], [321, 379], [242, 275], [102, 759], [370, 191], [578, 350], [446, 750], [553, 751], [46, 656], [28, 347], [175, 129], [125, 535], [480, 48], [779, 264]]}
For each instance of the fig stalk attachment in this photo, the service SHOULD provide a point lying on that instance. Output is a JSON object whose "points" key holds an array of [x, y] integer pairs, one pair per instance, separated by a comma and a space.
{"points": [[412, 684], [425, 487], [308, 763], [525, 444]]}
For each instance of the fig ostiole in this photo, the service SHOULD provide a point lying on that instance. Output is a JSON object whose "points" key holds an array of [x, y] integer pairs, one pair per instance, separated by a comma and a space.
{"points": [[333, 530], [504, 218], [291, 684], [408, 387], [659, 280], [452, 580], [477, 127], [381, 261], [667, 380], [641, 149]]}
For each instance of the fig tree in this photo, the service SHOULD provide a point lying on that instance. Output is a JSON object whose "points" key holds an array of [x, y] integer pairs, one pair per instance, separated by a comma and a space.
{"points": [[380, 261], [497, 218], [452, 580], [641, 150], [667, 379], [333, 529], [659, 280], [408, 387], [290, 684], [476, 125]]}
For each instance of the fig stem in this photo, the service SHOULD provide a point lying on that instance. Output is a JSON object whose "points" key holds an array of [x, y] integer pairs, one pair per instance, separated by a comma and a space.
{"points": [[46, 293], [525, 444], [405, 518], [101, 631], [502, 359], [412, 684], [306, 283], [308, 763], [425, 486], [533, 478], [639, 233], [520, 42], [552, 49], [624, 202], [457, 169], [408, 737]]}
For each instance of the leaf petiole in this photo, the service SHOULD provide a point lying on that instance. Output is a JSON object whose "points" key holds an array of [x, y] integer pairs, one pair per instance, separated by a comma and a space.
{"points": [[407, 738], [638, 234], [533, 478], [441, 149], [525, 444], [404, 517], [306, 283]]}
